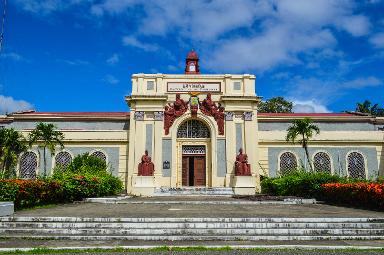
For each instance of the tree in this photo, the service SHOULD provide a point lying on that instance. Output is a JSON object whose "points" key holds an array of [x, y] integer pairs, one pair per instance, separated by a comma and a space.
{"points": [[12, 144], [302, 129], [46, 136], [367, 107], [276, 105]]}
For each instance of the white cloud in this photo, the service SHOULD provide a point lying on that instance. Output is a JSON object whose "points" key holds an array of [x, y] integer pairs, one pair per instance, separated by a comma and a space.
{"points": [[308, 106], [9, 104], [364, 82], [114, 59], [358, 25], [111, 79], [134, 42], [378, 40], [46, 7], [75, 62], [13, 56]]}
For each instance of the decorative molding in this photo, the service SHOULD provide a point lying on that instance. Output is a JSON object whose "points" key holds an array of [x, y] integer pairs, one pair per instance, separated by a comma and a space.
{"points": [[248, 116], [139, 115], [159, 116], [229, 116]]}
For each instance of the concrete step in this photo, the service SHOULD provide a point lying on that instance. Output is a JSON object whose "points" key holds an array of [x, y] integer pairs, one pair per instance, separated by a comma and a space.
{"points": [[197, 237], [190, 229], [181, 225], [198, 232], [194, 191]]}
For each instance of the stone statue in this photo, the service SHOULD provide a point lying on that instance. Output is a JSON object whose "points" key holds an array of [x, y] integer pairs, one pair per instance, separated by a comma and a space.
{"points": [[219, 117], [208, 107], [242, 168], [146, 167], [171, 112], [180, 106], [169, 117]]}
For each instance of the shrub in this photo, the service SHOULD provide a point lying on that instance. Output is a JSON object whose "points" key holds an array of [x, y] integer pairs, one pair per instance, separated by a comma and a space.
{"points": [[298, 183], [28, 193], [86, 176], [359, 194]]}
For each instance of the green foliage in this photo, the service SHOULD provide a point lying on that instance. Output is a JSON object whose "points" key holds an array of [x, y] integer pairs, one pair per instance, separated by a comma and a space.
{"points": [[301, 131], [86, 176], [367, 107], [299, 183], [12, 144], [46, 136], [275, 105]]}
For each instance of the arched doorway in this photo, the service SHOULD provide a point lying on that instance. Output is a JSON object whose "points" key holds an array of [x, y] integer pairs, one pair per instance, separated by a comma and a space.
{"points": [[194, 136]]}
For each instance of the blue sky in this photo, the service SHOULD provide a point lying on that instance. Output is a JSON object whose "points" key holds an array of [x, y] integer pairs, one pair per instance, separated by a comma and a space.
{"points": [[79, 55]]}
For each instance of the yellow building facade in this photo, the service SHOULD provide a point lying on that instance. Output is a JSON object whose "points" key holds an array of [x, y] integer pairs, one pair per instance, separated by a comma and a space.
{"points": [[193, 126]]}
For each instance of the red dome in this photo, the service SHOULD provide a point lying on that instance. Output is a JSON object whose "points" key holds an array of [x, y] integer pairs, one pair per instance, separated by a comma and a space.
{"points": [[192, 55]]}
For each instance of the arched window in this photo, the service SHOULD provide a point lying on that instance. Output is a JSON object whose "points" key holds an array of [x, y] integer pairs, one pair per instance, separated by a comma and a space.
{"points": [[322, 162], [63, 159], [100, 155], [28, 165], [356, 165], [193, 129], [288, 163]]}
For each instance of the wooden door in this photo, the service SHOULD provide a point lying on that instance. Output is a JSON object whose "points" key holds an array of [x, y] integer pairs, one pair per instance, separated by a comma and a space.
{"points": [[185, 171], [199, 171]]}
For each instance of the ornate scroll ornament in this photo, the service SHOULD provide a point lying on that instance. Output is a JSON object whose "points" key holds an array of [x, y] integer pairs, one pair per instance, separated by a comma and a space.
{"points": [[173, 111], [228, 115], [248, 116], [139, 115], [159, 115]]}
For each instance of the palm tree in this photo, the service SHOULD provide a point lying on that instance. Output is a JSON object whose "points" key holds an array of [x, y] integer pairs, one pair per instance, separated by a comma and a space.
{"points": [[364, 107], [12, 144], [46, 136], [302, 128]]}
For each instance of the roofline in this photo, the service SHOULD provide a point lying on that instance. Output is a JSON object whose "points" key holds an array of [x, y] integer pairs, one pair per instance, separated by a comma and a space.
{"points": [[71, 115]]}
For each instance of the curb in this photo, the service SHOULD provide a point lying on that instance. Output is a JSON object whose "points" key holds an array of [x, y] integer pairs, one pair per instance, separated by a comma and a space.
{"points": [[234, 247]]}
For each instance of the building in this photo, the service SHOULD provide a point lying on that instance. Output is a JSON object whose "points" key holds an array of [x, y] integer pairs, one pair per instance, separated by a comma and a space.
{"points": [[193, 126]]}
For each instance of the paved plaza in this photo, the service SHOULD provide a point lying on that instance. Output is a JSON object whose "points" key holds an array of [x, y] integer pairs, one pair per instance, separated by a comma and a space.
{"points": [[194, 210]]}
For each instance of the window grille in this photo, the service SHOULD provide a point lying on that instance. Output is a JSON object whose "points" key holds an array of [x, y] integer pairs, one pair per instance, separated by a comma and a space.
{"points": [[322, 162], [237, 85], [356, 165], [63, 159], [288, 163], [28, 165], [150, 85], [194, 149], [100, 155], [193, 129]]}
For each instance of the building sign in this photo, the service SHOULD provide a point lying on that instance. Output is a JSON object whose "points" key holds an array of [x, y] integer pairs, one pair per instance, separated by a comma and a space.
{"points": [[193, 86]]}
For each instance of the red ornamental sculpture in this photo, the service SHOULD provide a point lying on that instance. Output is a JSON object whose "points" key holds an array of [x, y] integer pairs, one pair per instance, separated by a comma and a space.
{"points": [[172, 111], [146, 167], [242, 168], [208, 107]]}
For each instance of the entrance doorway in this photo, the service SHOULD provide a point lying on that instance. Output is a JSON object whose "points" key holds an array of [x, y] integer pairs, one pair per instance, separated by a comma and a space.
{"points": [[193, 166]]}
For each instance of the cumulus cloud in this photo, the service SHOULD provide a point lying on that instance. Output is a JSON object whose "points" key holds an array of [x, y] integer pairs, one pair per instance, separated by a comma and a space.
{"points": [[9, 104], [378, 40], [111, 79], [308, 106], [114, 59]]}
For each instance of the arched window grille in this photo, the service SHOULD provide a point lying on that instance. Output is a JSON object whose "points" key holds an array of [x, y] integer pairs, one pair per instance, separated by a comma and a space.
{"points": [[356, 165], [28, 165], [193, 129], [322, 162], [63, 159], [288, 163], [100, 155]]}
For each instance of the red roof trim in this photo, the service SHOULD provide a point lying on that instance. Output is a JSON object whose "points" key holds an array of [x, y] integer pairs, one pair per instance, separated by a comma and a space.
{"points": [[306, 115], [79, 113]]}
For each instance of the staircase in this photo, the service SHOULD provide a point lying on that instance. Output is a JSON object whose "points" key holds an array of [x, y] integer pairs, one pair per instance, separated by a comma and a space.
{"points": [[192, 229], [193, 191]]}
